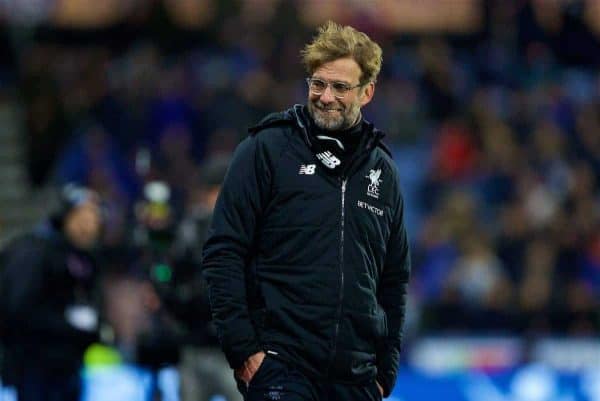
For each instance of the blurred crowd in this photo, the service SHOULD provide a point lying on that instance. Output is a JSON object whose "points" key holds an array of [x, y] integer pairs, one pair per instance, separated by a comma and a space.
{"points": [[496, 131]]}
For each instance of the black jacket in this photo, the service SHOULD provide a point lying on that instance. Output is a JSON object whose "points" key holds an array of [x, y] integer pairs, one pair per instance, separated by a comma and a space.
{"points": [[306, 262], [40, 277]]}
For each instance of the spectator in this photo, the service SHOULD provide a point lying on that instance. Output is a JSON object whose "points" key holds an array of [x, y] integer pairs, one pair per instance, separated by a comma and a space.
{"points": [[49, 302]]}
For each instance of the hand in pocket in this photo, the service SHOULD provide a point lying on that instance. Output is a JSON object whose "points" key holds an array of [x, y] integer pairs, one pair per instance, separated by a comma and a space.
{"points": [[247, 371]]}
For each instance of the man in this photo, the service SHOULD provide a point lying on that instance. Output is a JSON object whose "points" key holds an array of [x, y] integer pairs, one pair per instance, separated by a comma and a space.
{"points": [[47, 297], [205, 373], [307, 260]]}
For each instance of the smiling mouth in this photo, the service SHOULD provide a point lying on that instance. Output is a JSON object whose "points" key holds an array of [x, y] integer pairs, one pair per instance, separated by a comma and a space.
{"points": [[330, 111]]}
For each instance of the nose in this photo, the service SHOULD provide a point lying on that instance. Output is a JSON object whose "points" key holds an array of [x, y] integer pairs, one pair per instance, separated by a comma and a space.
{"points": [[327, 95]]}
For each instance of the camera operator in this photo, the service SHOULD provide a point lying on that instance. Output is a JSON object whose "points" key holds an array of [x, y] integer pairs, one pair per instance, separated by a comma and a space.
{"points": [[48, 298], [157, 301], [205, 372], [148, 287], [171, 255]]}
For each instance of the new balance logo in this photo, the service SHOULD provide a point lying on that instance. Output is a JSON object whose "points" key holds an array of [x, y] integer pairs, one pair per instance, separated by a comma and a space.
{"points": [[307, 169], [329, 159]]}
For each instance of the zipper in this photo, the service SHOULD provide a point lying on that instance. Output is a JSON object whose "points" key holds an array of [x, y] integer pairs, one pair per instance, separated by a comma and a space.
{"points": [[341, 296]]}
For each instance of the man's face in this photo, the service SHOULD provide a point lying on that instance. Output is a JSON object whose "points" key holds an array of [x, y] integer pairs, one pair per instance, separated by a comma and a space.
{"points": [[82, 225], [330, 112]]}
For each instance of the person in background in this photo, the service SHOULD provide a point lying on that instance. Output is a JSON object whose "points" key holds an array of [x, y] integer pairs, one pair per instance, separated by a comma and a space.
{"points": [[307, 259], [49, 306], [205, 373], [142, 300]]}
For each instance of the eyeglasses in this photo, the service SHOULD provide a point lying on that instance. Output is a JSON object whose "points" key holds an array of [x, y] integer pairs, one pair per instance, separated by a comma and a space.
{"points": [[339, 89]]}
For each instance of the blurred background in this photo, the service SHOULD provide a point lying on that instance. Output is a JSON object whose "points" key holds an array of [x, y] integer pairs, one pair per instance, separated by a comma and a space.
{"points": [[492, 111]]}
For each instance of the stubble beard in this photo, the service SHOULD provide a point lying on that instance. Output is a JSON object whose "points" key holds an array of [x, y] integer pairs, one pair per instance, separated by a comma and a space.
{"points": [[344, 118]]}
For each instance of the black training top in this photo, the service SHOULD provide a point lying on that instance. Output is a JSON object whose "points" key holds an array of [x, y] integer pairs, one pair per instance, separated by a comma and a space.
{"points": [[309, 260]]}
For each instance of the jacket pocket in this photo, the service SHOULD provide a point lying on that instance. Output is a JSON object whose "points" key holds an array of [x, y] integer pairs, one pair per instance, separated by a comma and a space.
{"points": [[263, 369]]}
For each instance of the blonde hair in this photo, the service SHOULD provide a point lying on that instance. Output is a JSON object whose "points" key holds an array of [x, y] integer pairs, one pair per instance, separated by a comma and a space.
{"points": [[335, 41]]}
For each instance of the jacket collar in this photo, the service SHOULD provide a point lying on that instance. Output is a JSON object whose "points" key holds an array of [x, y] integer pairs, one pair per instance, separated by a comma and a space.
{"points": [[298, 114], [295, 115]]}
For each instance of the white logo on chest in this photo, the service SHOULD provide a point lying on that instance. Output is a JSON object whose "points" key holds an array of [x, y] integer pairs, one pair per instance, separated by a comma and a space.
{"points": [[370, 208], [373, 188], [329, 159], [307, 169]]}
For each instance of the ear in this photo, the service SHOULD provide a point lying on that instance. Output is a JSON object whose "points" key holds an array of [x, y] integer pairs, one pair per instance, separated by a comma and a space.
{"points": [[367, 94]]}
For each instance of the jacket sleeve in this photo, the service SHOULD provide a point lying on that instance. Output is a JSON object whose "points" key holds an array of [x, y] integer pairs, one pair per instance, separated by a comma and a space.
{"points": [[392, 298], [228, 250]]}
